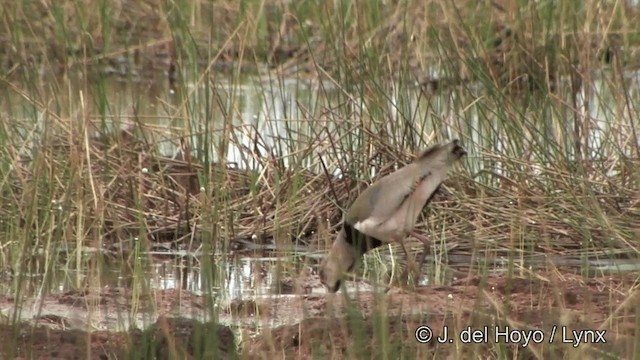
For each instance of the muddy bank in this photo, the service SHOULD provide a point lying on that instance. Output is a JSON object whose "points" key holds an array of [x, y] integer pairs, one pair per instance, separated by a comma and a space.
{"points": [[321, 325], [387, 324], [168, 338]]}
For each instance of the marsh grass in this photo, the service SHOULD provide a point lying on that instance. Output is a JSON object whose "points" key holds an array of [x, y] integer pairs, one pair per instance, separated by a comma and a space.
{"points": [[543, 96]]}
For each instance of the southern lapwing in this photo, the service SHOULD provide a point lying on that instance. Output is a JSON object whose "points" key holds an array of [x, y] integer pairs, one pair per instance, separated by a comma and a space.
{"points": [[387, 211]]}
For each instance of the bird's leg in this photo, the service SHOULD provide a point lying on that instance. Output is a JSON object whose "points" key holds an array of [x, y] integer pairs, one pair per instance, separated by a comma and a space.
{"points": [[410, 267], [405, 274], [425, 250]]}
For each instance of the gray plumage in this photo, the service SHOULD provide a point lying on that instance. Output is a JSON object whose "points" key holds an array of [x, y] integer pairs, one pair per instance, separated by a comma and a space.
{"points": [[387, 210]]}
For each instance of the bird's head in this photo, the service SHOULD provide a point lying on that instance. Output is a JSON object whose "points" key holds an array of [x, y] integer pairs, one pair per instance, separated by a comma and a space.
{"points": [[341, 259], [447, 153], [456, 150]]}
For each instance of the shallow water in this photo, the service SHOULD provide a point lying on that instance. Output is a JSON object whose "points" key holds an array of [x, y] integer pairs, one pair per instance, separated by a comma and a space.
{"points": [[248, 277], [277, 108]]}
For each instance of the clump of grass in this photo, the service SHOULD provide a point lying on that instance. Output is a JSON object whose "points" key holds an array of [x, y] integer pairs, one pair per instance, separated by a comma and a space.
{"points": [[538, 92]]}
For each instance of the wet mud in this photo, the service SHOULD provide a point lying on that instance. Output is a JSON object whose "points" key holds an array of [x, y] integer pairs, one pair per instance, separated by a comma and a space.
{"points": [[315, 324]]}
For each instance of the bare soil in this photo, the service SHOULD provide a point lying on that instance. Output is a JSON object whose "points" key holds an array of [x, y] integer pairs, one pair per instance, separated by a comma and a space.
{"points": [[324, 325]]}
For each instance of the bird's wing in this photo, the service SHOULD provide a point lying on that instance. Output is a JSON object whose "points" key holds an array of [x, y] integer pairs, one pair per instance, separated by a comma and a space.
{"points": [[383, 198]]}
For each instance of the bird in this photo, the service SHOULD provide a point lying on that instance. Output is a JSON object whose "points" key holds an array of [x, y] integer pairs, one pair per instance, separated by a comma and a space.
{"points": [[386, 212]]}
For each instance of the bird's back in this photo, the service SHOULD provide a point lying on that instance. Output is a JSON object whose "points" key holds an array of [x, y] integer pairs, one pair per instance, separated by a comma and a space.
{"points": [[389, 208]]}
